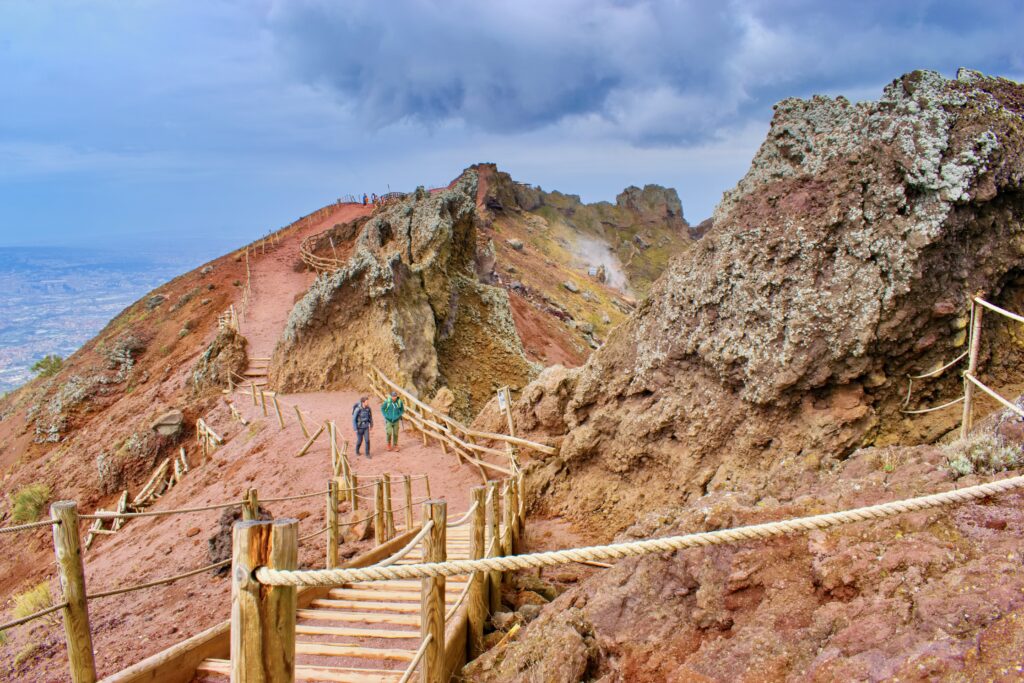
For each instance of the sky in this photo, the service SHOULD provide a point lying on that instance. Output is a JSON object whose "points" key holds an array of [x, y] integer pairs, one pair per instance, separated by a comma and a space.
{"points": [[201, 124]]}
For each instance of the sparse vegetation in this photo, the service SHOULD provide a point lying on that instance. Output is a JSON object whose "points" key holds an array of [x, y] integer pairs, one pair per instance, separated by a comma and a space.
{"points": [[33, 600], [24, 653], [29, 502], [48, 365], [982, 454]]}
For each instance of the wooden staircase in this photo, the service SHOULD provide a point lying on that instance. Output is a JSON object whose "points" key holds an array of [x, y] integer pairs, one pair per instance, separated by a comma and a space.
{"points": [[256, 373], [361, 632]]}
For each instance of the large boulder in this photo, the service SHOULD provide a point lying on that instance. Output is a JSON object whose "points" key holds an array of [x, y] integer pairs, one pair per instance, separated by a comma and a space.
{"points": [[841, 263]]}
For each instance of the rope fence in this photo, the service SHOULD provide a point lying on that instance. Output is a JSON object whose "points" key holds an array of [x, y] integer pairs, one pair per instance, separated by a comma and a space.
{"points": [[158, 582], [26, 527], [300, 497], [159, 513], [416, 659], [617, 551], [408, 546], [31, 617]]}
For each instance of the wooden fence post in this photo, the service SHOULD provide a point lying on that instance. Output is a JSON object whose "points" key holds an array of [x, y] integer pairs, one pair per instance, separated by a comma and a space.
{"points": [[67, 546], [353, 492], [302, 423], [972, 367], [478, 597], [335, 465], [507, 516], [332, 523], [426, 481], [252, 386], [263, 617], [432, 592], [407, 485], [389, 514], [512, 492], [251, 507], [263, 402], [493, 525], [277, 408], [379, 530]]}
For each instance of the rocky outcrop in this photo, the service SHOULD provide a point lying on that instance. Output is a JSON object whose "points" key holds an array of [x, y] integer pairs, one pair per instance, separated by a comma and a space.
{"points": [[933, 595], [223, 361], [408, 300], [840, 264]]}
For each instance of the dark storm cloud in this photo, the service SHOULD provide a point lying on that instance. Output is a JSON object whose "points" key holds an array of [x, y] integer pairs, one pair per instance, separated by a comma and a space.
{"points": [[653, 72]]}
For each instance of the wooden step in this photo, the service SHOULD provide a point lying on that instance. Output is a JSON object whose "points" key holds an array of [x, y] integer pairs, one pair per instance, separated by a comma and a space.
{"points": [[303, 647], [367, 605], [222, 667], [399, 596], [399, 585], [358, 617], [343, 632], [262, 372]]}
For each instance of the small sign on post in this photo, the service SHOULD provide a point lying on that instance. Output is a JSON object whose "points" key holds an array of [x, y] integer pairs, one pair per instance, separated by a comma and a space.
{"points": [[503, 399]]}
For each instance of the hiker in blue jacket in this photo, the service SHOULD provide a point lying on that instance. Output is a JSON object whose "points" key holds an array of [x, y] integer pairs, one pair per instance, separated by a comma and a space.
{"points": [[362, 422]]}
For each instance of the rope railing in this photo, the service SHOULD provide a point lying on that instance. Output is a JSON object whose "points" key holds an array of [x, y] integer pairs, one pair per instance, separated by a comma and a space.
{"points": [[158, 582], [416, 540], [922, 411], [31, 617], [462, 598], [991, 392], [314, 534], [416, 659], [464, 519], [30, 525], [299, 497], [616, 551], [358, 521], [159, 513], [997, 309]]}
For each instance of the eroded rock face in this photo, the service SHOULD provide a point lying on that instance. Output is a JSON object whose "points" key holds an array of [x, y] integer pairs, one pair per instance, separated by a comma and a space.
{"points": [[408, 301], [788, 330], [223, 361]]}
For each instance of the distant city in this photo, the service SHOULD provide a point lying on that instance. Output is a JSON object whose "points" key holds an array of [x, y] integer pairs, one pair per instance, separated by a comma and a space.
{"points": [[56, 299]]}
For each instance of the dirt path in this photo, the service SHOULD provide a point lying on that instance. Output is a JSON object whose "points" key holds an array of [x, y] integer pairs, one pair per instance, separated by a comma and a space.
{"points": [[276, 284]]}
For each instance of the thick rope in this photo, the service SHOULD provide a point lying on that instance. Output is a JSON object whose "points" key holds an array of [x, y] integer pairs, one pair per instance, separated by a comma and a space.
{"points": [[617, 551], [34, 615], [991, 392], [304, 495], [158, 582], [158, 513], [314, 534], [465, 518], [462, 598], [937, 371], [933, 409], [408, 546], [358, 521], [1001, 311], [416, 659], [26, 527]]}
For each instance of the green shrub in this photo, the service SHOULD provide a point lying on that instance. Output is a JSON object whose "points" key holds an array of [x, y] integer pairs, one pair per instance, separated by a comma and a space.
{"points": [[982, 454], [32, 600], [48, 366], [29, 502]]}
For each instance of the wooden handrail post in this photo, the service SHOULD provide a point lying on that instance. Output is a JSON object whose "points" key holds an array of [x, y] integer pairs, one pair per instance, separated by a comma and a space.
{"points": [[251, 508], [972, 367], [353, 492], [263, 402], [67, 546], [277, 408], [252, 386], [507, 517], [513, 514], [407, 485], [478, 597], [426, 480], [332, 523], [263, 617], [335, 465], [432, 593], [493, 525], [379, 530], [389, 514], [302, 423]]}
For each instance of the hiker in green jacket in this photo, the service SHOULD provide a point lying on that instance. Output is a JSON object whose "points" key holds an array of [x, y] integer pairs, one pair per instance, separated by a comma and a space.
{"points": [[392, 409]]}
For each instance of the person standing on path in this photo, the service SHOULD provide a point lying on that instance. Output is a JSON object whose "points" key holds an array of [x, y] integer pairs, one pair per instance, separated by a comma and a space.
{"points": [[392, 410], [362, 422]]}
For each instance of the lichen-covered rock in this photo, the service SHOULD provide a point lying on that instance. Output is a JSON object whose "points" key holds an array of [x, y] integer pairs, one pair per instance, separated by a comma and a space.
{"points": [[409, 301], [786, 332]]}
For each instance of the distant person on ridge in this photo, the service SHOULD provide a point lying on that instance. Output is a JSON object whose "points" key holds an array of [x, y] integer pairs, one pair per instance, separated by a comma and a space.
{"points": [[362, 422], [364, 199], [392, 410]]}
